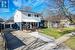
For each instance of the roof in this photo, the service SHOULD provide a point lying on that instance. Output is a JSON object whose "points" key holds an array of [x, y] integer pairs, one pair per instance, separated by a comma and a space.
{"points": [[24, 11], [1, 20], [10, 21]]}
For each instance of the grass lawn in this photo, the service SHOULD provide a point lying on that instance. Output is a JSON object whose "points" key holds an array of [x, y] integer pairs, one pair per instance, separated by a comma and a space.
{"points": [[71, 43], [51, 32], [56, 33], [1, 43]]}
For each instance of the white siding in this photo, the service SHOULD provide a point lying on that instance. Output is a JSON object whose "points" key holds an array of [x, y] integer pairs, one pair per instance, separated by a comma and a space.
{"points": [[30, 19], [21, 17], [17, 16]]}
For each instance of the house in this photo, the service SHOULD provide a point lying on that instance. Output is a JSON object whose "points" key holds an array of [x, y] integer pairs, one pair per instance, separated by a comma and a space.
{"points": [[57, 21], [1, 25], [65, 23], [6, 24], [28, 20]]}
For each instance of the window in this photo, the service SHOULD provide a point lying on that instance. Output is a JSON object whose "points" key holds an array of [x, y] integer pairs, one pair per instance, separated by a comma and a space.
{"points": [[29, 15], [36, 15]]}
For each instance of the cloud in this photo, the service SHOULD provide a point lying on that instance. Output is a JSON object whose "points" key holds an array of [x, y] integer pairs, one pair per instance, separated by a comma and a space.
{"points": [[17, 3]]}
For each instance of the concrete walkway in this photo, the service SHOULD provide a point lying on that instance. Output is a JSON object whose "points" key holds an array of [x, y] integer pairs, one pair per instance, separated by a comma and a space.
{"points": [[64, 38], [19, 40], [57, 45], [42, 37]]}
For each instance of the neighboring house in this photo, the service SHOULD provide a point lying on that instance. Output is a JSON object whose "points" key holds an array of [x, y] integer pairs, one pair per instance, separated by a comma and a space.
{"points": [[65, 23], [57, 21], [28, 20], [1, 25], [8, 23]]}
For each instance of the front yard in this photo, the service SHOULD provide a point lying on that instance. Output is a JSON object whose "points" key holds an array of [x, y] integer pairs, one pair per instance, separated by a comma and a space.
{"points": [[56, 33], [71, 43]]}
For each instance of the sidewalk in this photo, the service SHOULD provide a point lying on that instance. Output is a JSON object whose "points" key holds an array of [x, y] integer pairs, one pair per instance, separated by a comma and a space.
{"points": [[42, 37], [63, 38]]}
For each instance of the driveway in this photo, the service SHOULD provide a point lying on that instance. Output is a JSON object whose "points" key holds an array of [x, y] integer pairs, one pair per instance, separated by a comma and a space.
{"points": [[12, 42]]}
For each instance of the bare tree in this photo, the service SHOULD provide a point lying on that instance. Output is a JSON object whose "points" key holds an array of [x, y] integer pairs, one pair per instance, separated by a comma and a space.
{"points": [[63, 10], [72, 2]]}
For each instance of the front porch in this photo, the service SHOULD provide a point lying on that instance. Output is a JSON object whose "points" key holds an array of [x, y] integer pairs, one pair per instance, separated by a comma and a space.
{"points": [[30, 25]]}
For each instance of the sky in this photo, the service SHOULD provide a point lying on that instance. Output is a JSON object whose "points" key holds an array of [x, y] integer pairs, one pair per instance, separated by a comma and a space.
{"points": [[36, 5]]}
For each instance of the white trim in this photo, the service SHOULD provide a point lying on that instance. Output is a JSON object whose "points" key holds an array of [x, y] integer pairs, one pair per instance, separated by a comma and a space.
{"points": [[31, 20]]}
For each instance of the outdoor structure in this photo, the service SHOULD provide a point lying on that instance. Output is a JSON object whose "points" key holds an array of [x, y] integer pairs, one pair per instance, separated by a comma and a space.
{"points": [[28, 20], [6, 24]]}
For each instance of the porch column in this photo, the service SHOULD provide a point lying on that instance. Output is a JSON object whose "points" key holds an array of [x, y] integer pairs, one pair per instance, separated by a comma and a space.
{"points": [[37, 24], [30, 25], [11, 26], [20, 26], [26, 25], [4, 25]]}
